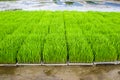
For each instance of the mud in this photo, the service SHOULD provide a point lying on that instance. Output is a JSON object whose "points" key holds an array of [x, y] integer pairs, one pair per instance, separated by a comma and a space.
{"points": [[100, 72]]}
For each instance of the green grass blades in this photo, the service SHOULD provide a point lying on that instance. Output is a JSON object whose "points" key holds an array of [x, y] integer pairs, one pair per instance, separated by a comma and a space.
{"points": [[30, 50], [103, 50], [59, 37], [55, 49], [115, 40], [98, 30], [78, 48], [9, 48]]}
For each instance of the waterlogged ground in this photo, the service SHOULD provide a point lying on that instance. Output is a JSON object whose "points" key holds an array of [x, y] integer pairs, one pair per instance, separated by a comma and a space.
{"points": [[108, 72], [58, 5]]}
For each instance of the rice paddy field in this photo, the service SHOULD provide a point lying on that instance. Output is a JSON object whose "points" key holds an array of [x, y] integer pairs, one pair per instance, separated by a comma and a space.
{"points": [[59, 37]]}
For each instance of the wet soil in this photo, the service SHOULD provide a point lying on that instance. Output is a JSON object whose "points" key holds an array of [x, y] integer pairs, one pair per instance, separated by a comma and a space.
{"points": [[102, 72]]}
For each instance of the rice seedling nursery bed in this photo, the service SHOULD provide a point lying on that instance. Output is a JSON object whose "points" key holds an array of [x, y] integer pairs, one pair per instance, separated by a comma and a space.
{"points": [[34, 37]]}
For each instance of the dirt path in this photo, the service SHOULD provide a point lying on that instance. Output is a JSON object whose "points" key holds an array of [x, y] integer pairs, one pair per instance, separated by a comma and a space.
{"points": [[108, 72]]}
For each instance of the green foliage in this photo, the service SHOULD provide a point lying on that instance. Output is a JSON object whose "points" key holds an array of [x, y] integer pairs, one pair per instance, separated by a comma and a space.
{"points": [[9, 47], [30, 50], [55, 50], [55, 37], [78, 48]]}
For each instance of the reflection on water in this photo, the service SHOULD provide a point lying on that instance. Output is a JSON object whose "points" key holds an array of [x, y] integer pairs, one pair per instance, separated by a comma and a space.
{"points": [[54, 5], [112, 4], [58, 2], [73, 3], [69, 3], [91, 2]]}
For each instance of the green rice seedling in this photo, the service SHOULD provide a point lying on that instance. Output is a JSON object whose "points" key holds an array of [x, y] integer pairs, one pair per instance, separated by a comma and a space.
{"points": [[99, 27], [7, 26], [9, 47], [79, 49], [30, 50], [115, 40], [55, 50], [11, 44], [6, 30], [9, 21], [55, 37], [57, 25], [103, 50]]}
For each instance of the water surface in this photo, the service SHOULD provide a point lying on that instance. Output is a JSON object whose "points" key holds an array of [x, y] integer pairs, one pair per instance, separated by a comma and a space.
{"points": [[61, 5]]}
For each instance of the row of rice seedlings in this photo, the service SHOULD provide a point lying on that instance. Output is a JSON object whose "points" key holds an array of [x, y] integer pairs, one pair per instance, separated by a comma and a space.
{"points": [[109, 16], [115, 40], [8, 24], [103, 50], [102, 47], [49, 38], [55, 50], [79, 49], [10, 45], [114, 36], [31, 50], [7, 29], [109, 26], [110, 29], [9, 21]]}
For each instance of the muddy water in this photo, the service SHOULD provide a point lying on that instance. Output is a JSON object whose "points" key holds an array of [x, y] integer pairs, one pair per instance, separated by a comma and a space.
{"points": [[108, 72]]}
